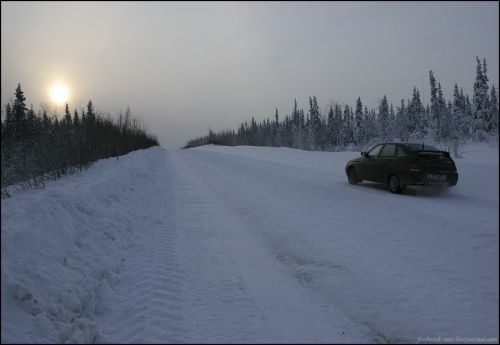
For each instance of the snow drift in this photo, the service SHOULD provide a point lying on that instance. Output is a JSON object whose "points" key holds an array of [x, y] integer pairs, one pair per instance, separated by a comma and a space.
{"points": [[63, 247]]}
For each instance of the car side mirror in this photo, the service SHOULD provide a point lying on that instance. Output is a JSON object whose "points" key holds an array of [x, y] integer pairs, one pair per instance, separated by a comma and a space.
{"points": [[363, 153]]}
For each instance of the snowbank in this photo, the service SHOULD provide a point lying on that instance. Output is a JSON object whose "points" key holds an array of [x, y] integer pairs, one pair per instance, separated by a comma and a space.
{"points": [[63, 248]]}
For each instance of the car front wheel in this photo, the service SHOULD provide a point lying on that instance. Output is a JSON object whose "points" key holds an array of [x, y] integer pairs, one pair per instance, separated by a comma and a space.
{"points": [[352, 176]]}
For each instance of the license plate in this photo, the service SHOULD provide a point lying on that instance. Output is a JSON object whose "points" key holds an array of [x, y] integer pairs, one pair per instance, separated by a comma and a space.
{"points": [[436, 178]]}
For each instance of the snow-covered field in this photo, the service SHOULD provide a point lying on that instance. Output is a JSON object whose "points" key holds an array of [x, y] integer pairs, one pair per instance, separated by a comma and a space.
{"points": [[250, 244]]}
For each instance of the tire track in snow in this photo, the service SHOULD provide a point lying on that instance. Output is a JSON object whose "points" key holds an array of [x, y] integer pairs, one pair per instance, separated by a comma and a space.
{"points": [[148, 307], [237, 291], [271, 200], [221, 308]]}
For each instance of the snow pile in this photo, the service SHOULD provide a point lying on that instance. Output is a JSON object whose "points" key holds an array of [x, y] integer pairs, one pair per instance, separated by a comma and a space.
{"points": [[63, 248]]}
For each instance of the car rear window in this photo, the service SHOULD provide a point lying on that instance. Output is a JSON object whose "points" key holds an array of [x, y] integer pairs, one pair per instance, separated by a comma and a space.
{"points": [[401, 152], [421, 147]]}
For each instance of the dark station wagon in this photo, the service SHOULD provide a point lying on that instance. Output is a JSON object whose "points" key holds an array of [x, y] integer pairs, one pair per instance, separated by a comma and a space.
{"points": [[398, 165]]}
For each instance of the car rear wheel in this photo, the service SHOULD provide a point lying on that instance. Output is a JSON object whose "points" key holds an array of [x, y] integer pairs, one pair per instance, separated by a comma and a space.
{"points": [[352, 176], [394, 185]]}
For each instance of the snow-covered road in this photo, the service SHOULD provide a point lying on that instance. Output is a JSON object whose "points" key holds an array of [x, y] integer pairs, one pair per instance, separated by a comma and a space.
{"points": [[246, 244]]}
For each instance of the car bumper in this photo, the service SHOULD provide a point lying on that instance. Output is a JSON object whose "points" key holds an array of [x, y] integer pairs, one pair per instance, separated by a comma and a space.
{"points": [[424, 178]]}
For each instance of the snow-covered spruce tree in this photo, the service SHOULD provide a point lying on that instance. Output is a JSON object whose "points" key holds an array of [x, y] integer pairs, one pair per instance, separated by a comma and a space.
{"points": [[315, 127], [67, 117], [286, 132], [330, 130], [400, 123], [465, 119], [449, 134], [19, 112], [76, 119], [254, 135], [90, 112], [338, 125], [480, 102], [358, 138], [459, 123], [392, 121], [469, 113], [417, 124], [370, 127], [30, 125], [347, 127], [493, 125], [442, 110], [383, 119], [296, 130], [435, 110], [10, 123]]}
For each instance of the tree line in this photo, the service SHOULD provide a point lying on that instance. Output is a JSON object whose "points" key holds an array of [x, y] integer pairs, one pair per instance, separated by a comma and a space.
{"points": [[448, 122], [36, 146]]}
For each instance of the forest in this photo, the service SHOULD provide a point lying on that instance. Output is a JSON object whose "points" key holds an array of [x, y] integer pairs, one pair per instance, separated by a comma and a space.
{"points": [[448, 123], [38, 146]]}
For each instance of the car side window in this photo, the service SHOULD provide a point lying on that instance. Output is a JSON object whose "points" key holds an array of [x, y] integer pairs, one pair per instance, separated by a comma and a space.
{"points": [[375, 151], [400, 152], [388, 151]]}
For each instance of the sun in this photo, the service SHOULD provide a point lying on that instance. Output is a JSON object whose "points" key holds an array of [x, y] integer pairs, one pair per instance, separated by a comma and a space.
{"points": [[59, 93]]}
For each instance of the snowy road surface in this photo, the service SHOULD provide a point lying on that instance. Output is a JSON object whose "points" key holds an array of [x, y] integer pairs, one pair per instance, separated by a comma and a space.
{"points": [[246, 244]]}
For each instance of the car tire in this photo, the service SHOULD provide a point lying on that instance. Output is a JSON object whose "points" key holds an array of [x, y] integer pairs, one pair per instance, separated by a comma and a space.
{"points": [[352, 176], [394, 185]]}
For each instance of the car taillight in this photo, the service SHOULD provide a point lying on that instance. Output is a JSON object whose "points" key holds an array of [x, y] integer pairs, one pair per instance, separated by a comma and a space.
{"points": [[413, 167]]}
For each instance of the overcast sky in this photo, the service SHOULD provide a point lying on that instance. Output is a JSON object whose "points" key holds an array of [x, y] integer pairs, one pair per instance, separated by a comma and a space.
{"points": [[186, 67]]}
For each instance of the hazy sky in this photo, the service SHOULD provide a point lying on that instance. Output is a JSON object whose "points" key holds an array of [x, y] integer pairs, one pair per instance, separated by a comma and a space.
{"points": [[186, 67]]}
